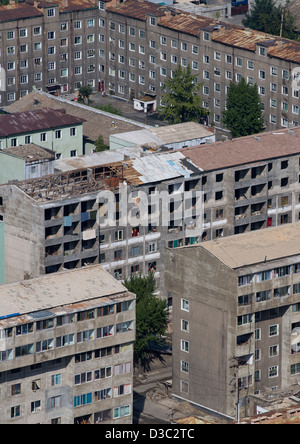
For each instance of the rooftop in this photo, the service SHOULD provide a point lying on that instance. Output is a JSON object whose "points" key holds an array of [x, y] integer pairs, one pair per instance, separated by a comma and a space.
{"points": [[182, 131], [93, 178], [35, 120], [18, 11], [56, 290], [256, 246], [222, 32], [31, 152], [245, 150], [96, 122]]}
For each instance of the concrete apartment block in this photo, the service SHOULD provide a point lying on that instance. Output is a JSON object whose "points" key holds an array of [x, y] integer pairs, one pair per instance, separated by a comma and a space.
{"points": [[66, 349], [235, 318], [130, 48], [207, 192]]}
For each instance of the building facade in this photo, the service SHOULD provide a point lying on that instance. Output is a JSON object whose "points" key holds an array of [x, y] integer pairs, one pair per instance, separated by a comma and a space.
{"points": [[235, 318], [171, 199], [67, 358], [52, 129], [130, 48]]}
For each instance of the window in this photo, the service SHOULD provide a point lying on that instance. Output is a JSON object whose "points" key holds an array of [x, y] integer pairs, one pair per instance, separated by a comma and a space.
{"points": [[56, 380], [273, 371], [58, 134], [264, 276], [262, 51], [185, 305], [185, 325], [184, 345], [238, 61], [262, 74], [119, 412], [274, 330], [51, 12], [82, 399]]}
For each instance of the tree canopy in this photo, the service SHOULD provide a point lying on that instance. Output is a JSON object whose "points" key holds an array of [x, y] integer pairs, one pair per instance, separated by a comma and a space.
{"points": [[84, 94], [243, 115], [100, 144], [151, 317], [182, 102], [266, 16]]}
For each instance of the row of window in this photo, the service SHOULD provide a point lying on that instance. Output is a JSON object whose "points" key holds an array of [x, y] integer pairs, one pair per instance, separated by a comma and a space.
{"points": [[63, 320], [66, 340], [56, 403], [43, 137], [269, 274], [37, 30]]}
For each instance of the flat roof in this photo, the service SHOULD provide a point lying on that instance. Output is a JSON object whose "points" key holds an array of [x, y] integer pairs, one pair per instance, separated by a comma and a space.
{"points": [[245, 150], [182, 132], [257, 246], [56, 290]]}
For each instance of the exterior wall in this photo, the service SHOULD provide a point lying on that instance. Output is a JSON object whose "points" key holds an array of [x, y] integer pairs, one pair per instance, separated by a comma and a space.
{"points": [[235, 200], [24, 235], [2, 254], [104, 58], [35, 170], [210, 289], [59, 383], [11, 168], [62, 145], [262, 328]]}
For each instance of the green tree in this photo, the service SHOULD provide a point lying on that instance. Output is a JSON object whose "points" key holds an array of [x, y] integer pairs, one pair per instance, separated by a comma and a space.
{"points": [[182, 102], [266, 16], [84, 94], [151, 318], [243, 115], [100, 144]]}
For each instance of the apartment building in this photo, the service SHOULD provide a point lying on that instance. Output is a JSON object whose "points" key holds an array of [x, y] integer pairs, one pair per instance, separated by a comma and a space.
{"points": [[52, 129], [67, 349], [169, 199], [235, 318], [130, 48]]}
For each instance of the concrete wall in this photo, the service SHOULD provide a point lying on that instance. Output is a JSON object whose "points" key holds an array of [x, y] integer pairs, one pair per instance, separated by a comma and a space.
{"points": [[2, 254], [11, 168], [24, 235], [210, 287]]}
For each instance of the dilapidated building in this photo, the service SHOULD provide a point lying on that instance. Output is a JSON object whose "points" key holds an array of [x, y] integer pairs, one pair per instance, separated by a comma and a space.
{"points": [[66, 349], [235, 318]]}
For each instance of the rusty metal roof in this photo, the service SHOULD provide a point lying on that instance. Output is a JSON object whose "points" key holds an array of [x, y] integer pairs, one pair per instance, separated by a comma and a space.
{"points": [[18, 11], [137, 9], [222, 32], [35, 120]]}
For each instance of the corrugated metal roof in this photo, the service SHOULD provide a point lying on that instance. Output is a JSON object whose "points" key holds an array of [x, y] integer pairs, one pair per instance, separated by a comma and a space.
{"points": [[18, 11], [57, 289], [35, 120]]}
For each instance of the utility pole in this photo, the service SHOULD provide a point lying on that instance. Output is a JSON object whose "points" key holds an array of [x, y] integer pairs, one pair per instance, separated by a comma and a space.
{"points": [[237, 401], [281, 22]]}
